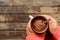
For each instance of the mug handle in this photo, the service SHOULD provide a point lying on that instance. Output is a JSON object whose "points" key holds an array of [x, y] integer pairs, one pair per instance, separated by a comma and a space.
{"points": [[31, 17]]}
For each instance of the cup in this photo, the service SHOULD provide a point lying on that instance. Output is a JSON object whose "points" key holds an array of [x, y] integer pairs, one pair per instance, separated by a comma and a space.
{"points": [[39, 24]]}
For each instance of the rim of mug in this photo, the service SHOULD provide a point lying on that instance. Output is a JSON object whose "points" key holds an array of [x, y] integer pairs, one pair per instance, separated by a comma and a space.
{"points": [[44, 29]]}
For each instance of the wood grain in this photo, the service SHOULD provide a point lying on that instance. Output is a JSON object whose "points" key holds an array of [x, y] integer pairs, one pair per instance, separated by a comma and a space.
{"points": [[12, 34], [12, 39], [14, 15], [11, 17], [27, 9], [31, 2], [15, 26]]}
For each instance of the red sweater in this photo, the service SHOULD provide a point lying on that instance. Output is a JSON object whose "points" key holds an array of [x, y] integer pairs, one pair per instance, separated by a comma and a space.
{"points": [[37, 37]]}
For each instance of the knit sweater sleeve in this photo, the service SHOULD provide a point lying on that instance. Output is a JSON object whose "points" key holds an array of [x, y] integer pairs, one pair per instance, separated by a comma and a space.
{"points": [[34, 37], [57, 34]]}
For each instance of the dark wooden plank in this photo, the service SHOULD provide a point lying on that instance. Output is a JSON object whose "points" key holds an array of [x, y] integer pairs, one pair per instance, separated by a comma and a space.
{"points": [[16, 26], [12, 39], [31, 2], [11, 17], [27, 9], [19, 9], [14, 9], [12, 34]]}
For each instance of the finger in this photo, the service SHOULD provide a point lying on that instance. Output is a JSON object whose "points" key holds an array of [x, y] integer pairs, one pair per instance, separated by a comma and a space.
{"points": [[52, 23], [29, 31]]}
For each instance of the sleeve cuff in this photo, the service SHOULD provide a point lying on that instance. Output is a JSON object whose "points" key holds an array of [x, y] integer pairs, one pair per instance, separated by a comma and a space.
{"points": [[34, 37]]}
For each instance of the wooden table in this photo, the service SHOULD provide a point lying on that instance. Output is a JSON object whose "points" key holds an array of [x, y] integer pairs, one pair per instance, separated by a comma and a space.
{"points": [[14, 16]]}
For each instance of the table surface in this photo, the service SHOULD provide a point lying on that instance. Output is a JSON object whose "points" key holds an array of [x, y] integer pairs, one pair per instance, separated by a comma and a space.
{"points": [[14, 16]]}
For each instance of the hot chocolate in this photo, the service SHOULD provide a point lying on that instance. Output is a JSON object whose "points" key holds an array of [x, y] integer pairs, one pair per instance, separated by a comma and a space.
{"points": [[38, 24]]}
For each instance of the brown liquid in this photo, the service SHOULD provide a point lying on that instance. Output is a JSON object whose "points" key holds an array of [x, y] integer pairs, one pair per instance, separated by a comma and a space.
{"points": [[39, 25]]}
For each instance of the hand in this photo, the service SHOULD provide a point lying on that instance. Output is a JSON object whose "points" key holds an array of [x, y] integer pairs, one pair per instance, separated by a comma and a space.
{"points": [[52, 23], [29, 31]]}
